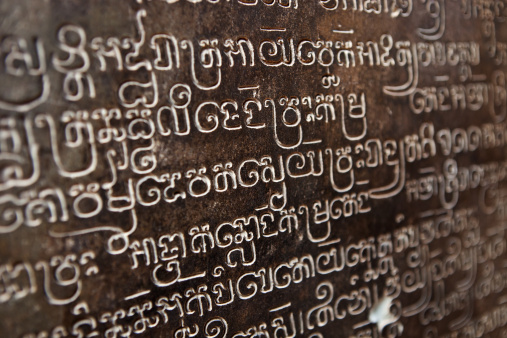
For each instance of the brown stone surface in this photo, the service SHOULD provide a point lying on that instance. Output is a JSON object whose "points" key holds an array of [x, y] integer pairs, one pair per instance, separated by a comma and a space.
{"points": [[253, 168]]}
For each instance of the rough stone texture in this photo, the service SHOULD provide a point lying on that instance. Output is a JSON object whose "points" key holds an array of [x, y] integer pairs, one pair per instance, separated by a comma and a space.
{"points": [[89, 144]]}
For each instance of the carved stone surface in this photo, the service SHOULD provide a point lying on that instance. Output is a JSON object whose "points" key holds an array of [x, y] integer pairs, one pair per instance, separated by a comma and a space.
{"points": [[253, 168]]}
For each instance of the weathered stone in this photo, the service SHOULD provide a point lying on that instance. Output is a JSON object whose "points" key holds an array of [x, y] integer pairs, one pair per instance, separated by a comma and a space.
{"points": [[252, 168]]}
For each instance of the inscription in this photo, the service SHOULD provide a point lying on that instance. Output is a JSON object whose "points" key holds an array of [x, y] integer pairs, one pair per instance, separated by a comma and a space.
{"points": [[253, 168]]}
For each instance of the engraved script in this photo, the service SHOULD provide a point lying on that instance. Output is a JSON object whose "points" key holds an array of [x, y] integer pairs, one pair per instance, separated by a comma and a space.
{"points": [[253, 168]]}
